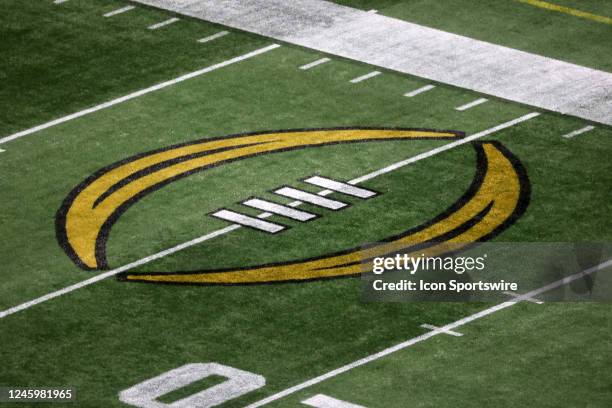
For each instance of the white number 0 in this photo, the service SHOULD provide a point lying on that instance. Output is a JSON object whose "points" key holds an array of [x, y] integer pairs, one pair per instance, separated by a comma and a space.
{"points": [[239, 382]]}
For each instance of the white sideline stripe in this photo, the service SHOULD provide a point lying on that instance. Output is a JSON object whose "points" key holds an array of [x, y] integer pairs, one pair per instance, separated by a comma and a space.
{"points": [[579, 132], [223, 231], [138, 93], [340, 187], [516, 295], [364, 77], [310, 198], [119, 11], [163, 23], [444, 148], [213, 37], [323, 401], [423, 337], [419, 91], [471, 104], [315, 63], [248, 221], [432, 327], [279, 209]]}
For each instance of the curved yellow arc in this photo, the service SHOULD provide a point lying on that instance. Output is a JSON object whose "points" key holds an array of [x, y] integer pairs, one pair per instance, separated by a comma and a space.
{"points": [[491, 205], [94, 204]]}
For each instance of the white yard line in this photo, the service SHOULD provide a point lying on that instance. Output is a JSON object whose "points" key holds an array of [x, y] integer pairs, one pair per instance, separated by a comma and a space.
{"points": [[578, 132], [138, 93], [315, 63], [233, 227], [365, 77], [324, 401], [163, 23], [432, 327], [517, 295], [213, 37], [471, 104], [418, 50], [419, 91], [119, 11], [423, 337]]}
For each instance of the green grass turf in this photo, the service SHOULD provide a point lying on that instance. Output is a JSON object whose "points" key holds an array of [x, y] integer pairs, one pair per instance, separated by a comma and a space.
{"points": [[112, 335], [513, 24], [555, 355]]}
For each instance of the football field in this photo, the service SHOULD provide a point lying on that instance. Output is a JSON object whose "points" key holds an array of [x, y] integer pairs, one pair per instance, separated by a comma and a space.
{"points": [[142, 154]]}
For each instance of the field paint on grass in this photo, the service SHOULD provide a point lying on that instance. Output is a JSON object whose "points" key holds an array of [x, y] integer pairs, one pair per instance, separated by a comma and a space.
{"points": [[233, 227], [568, 10], [444, 148], [414, 49], [59, 1], [139, 93], [419, 91], [213, 37], [324, 401], [516, 295], [340, 187], [471, 104], [315, 63], [248, 221], [432, 327], [364, 77], [423, 337], [119, 11], [163, 23], [372, 11], [578, 132]]}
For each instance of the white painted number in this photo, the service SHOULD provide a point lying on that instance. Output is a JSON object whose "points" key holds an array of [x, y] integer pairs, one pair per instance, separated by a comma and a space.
{"points": [[238, 383]]}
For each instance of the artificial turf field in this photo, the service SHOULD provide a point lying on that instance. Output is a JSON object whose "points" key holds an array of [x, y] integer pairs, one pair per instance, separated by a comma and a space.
{"points": [[107, 337]]}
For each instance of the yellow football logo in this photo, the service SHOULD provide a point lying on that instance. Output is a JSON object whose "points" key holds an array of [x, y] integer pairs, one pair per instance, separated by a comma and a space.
{"points": [[497, 197]]}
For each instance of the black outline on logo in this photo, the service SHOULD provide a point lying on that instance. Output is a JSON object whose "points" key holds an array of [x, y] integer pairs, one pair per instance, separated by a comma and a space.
{"points": [[481, 166], [60, 217]]}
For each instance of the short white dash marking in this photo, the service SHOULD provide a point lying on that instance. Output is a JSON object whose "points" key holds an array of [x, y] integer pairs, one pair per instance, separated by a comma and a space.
{"points": [[440, 329], [315, 63], [419, 91], [340, 187], [372, 11], [247, 221], [59, 1], [467, 106], [323, 401], [310, 198], [579, 132], [163, 23], [279, 209], [519, 296], [364, 77], [119, 11], [213, 37]]}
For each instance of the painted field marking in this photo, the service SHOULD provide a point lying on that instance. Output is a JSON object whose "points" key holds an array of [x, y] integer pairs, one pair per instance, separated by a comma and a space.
{"points": [[247, 221], [138, 93], [419, 91], [213, 37], [310, 198], [568, 10], [467, 106], [324, 401], [59, 1], [365, 77], [372, 11], [340, 187], [315, 63], [1, 150], [428, 335], [441, 330], [518, 295], [578, 132], [279, 209], [228, 229], [119, 11], [163, 23]]}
